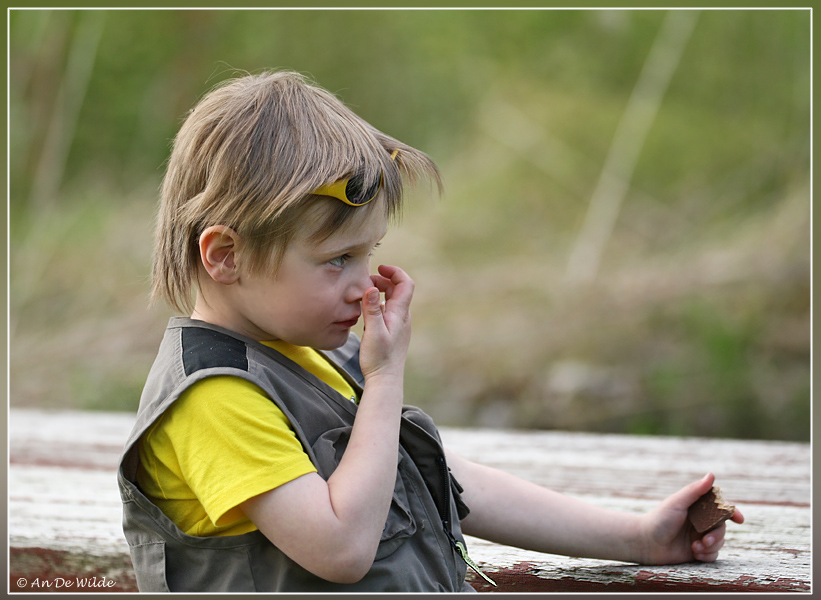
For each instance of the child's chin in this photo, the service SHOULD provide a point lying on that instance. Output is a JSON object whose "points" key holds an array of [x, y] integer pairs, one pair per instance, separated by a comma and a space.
{"points": [[332, 342]]}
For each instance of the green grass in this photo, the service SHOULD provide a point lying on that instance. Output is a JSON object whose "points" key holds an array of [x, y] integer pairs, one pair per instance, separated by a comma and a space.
{"points": [[697, 323], [709, 338]]}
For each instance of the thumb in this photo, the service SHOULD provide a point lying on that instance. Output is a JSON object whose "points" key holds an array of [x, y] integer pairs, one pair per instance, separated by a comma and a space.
{"points": [[687, 495], [371, 307]]}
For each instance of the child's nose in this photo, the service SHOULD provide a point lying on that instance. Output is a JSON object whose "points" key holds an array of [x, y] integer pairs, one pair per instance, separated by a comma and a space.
{"points": [[358, 286]]}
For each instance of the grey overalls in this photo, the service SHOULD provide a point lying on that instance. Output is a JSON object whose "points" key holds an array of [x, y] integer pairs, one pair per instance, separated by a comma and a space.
{"points": [[417, 551]]}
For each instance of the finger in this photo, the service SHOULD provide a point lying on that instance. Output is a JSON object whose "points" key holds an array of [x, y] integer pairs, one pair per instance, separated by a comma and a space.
{"points": [[395, 283], [714, 546], [390, 271], [385, 283], [707, 553], [382, 283], [396, 275], [686, 496], [737, 517], [371, 307], [706, 557], [711, 542]]}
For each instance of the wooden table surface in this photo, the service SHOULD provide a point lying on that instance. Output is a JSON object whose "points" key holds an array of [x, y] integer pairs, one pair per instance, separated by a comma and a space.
{"points": [[65, 511], [768, 481]]}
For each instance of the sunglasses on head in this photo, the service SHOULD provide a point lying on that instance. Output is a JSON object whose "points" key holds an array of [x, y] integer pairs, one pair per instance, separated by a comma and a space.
{"points": [[350, 190]]}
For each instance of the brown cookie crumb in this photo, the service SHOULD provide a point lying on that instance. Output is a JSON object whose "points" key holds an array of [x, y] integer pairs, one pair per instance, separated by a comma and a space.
{"points": [[710, 511]]}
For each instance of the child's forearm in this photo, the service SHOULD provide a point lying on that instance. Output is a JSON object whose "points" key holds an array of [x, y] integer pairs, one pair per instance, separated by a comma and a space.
{"points": [[515, 512], [332, 528], [362, 485]]}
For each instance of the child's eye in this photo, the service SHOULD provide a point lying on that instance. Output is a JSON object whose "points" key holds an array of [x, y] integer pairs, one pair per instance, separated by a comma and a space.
{"points": [[340, 261]]}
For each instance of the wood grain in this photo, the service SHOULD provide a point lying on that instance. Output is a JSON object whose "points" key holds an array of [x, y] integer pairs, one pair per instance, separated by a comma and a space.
{"points": [[65, 512]]}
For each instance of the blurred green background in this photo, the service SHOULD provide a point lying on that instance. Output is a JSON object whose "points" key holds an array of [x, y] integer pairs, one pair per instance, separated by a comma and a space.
{"points": [[623, 243]]}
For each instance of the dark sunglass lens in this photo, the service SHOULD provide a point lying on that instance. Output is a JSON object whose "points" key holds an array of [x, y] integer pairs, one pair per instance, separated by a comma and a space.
{"points": [[355, 192]]}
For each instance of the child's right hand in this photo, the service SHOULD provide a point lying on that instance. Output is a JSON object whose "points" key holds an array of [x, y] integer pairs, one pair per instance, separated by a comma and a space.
{"points": [[387, 332]]}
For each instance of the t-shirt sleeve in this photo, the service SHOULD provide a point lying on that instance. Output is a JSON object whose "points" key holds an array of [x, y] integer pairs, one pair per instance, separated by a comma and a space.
{"points": [[233, 443]]}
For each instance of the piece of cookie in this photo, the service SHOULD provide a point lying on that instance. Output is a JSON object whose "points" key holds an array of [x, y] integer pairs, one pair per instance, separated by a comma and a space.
{"points": [[710, 511]]}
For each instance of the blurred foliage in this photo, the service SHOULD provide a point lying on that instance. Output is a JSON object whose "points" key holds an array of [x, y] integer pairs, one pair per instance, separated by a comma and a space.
{"points": [[698, 322]]}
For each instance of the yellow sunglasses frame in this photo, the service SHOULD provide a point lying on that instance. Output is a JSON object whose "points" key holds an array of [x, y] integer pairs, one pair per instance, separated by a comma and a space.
{"points": [[338, 189]]}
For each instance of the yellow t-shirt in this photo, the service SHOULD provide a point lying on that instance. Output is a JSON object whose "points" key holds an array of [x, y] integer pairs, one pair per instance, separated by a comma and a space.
{"points": [[222, 442]]}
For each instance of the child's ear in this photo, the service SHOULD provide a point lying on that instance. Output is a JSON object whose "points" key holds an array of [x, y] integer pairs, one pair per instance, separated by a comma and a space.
{"points": [[218, 252]]}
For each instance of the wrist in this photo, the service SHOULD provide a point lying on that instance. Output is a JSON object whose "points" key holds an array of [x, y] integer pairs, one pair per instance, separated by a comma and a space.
{"points": [[385, 377], [622, 537], [388, 370], [641, 540]]}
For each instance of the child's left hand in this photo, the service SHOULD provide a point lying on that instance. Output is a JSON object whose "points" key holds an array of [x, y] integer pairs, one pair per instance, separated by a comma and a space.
{"points": [[668, 536]]}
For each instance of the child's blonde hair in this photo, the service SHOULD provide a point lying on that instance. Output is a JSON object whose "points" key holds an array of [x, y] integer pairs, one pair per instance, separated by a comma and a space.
{"points": [[249, 155]]}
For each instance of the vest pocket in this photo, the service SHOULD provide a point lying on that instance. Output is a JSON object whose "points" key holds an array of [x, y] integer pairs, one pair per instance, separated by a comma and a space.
{"points": [[400, 525], [149, 566]]}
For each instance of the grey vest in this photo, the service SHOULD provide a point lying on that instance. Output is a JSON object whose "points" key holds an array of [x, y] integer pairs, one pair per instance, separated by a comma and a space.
{"points": [[416, 552]]}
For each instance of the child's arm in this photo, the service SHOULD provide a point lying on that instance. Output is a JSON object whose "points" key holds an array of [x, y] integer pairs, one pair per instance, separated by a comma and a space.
{"points": [[333, 528], [515, 512]]}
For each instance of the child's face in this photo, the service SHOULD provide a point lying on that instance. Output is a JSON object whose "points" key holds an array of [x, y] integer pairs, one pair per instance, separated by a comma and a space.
{"points": [[314, 299]]}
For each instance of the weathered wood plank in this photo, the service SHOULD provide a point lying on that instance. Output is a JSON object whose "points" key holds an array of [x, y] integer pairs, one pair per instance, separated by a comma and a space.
{"points": [[644, 467], [65, 514], [64, 507]]}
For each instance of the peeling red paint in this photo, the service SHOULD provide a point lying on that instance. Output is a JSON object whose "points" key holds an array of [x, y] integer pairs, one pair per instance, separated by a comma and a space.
{"points": [[41, 570]]}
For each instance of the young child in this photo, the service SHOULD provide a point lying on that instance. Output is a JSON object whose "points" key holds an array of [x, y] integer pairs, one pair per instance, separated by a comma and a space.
{"points": [[272, 450]]}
